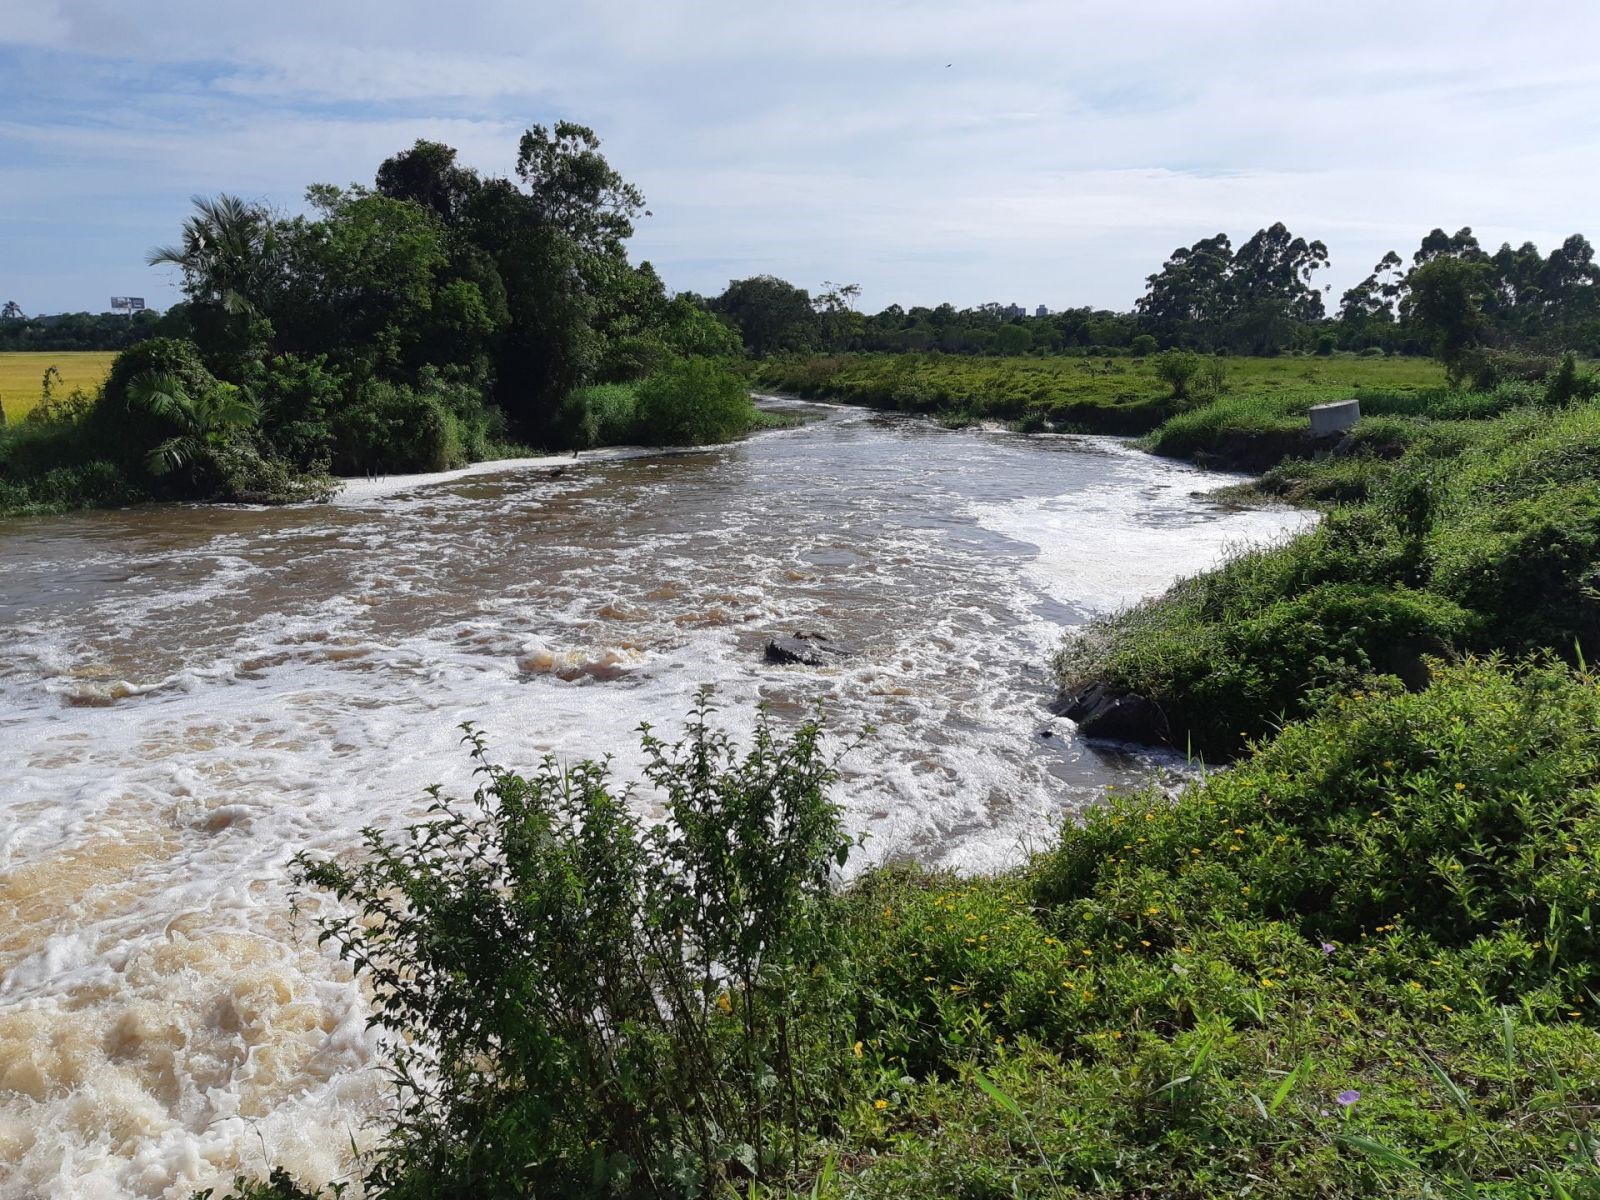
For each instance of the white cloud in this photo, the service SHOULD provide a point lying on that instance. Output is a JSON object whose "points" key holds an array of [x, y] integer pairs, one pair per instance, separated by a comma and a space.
{"points": [[1066, 149]]}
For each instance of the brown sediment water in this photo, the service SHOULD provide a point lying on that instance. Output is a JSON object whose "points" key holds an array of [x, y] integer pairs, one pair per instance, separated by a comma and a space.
{"points": [[189, 696]]}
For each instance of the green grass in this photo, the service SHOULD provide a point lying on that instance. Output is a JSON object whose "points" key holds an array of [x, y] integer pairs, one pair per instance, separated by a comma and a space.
{"points": [[22, 374], [1384, 901], [1456, 522], [1109, 395]]}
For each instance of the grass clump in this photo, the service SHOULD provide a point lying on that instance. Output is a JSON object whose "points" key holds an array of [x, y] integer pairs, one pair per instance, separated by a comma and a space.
{"points": [[688, 402]]}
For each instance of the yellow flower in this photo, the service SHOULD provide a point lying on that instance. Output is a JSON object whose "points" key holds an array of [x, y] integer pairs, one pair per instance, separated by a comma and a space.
{"points": [[880, 1105], [857, 1049], [1461, 787], [1267, 983]]}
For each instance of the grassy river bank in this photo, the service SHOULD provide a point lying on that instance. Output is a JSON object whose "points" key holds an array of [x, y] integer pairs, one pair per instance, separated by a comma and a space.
{"points": [[1361, 961]]}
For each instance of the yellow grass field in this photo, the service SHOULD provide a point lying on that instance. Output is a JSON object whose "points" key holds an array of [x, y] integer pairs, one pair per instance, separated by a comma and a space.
{"points": [[22, 372]]}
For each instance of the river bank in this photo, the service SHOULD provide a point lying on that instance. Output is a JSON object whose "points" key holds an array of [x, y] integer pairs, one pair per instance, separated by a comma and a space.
{"points": [[192, 694]]}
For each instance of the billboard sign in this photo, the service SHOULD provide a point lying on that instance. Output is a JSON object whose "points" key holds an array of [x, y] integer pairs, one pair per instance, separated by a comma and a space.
{"points": [[127, 304]]}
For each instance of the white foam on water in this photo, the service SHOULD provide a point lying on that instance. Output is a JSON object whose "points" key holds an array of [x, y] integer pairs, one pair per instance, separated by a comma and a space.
{"points": [[244, 687], [1108, 548]]}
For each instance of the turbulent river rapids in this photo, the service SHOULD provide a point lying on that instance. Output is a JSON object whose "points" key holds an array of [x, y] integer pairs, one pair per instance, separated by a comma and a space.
{"points": [[191, 695]]}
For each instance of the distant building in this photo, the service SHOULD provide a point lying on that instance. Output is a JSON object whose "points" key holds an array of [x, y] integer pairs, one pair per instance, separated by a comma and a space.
{"points": [[1012, 311], [1041, 311]]}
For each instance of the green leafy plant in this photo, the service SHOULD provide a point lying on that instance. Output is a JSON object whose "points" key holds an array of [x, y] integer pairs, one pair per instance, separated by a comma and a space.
{"points": [[579, 1004]]}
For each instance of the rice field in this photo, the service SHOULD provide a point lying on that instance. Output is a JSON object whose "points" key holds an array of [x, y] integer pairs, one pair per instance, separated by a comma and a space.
{"points": [[22, 374]]}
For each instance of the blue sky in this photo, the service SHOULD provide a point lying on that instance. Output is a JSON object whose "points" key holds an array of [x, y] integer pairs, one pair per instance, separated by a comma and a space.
{"points": [[1057, 159]]}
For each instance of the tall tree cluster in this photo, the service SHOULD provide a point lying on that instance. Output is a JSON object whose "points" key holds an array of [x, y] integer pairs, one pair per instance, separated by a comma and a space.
{"points": [[518, 288]]}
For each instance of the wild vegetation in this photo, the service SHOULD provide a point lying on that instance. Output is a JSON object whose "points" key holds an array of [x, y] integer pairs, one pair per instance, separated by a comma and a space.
{"points": [[1360, 963], [433, 319], [1458, 521]]}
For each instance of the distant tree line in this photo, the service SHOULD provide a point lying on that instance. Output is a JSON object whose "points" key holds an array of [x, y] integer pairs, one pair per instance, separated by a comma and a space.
{"points": [[1261, 298], [74, 331]]}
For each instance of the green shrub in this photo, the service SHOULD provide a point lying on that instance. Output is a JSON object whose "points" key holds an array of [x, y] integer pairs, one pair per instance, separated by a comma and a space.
{"points": [[1143, 345], [1469, 811], [299, 399], [1534, 563], [1346, 966], [1192, 377], [603, 414], [388, 428], [694, 402], [579, 1005], [1566, 383]]}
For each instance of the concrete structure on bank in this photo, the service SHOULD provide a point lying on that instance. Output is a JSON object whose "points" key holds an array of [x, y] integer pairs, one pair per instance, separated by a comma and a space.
{"points": [[1335, 417]]}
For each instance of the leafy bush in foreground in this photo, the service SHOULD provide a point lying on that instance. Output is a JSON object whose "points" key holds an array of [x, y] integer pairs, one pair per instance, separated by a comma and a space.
{"points": [[584, 1006]]}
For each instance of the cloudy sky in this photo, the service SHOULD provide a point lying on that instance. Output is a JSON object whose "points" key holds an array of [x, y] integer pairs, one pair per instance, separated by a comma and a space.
{"points": [[1049, 152]]}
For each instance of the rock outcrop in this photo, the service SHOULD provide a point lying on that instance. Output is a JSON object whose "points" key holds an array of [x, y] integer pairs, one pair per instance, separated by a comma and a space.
{"points": [[1100, 712]]}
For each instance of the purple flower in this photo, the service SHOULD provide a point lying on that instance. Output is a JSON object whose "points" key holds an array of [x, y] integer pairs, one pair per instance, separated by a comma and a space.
{"points": [[1347, 1098], [1328, 947]]}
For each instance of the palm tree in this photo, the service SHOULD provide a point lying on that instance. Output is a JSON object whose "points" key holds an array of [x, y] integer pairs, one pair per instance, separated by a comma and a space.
{"points": [[203, 421], [227, 249]]}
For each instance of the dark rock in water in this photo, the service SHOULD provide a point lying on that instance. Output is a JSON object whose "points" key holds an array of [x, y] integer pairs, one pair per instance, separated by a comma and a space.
{"points": [[1101, 713], [807, 649], [1044, 733]]}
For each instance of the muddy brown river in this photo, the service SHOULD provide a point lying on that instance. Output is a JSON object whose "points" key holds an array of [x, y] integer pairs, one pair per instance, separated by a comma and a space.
{"points": [[189, 696]]}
